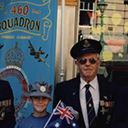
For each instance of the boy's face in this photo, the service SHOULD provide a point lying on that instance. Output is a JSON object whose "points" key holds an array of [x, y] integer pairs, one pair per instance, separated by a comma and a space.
{"points": [[40, 105]]}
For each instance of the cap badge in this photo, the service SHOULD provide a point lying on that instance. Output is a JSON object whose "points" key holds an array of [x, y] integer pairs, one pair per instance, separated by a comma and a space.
{"points": [[86, 44], [42, 89]]}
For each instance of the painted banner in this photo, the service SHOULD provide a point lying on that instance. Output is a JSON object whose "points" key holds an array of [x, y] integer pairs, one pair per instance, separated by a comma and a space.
{"points": [[27, 47]]}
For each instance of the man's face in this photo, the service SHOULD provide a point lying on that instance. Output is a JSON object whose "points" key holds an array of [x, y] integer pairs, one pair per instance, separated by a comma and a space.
{"points": [[40, 105], [88, 65]]}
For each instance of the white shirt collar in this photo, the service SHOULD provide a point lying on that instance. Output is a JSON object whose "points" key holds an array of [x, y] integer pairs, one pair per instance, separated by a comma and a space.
{"points": [[93, 83]]}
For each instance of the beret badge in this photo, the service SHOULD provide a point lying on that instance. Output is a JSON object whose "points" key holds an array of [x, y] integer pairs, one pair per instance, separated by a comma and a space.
{"points": [[86, 44], [42, 89]]}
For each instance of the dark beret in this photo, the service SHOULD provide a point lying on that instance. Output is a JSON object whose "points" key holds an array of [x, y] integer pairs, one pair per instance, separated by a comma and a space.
{"points": [[85, 46]]}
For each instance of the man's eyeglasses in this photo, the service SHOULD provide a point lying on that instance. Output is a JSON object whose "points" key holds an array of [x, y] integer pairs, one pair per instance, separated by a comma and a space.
{"points": [[84, 61]]}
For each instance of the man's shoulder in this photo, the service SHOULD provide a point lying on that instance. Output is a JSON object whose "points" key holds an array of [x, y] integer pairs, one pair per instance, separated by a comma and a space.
{"points": [[123, 90], [69, 82], [101, 78], [108, 87], [4, 84], [3, 81]]}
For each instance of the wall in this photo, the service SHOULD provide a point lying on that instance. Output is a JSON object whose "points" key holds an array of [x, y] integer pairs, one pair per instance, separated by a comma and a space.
{"points": [[70, 37], [69, 2]]}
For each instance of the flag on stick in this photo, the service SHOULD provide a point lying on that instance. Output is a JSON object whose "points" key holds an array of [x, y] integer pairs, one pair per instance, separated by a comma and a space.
{"points": [[61, 117]]}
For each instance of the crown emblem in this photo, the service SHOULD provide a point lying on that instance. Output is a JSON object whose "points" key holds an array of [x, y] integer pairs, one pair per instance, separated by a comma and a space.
{"points": [[14, 56], [86, 44]]}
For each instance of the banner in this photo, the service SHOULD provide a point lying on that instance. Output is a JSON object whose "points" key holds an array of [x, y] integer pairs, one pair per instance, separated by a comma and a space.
{"points": [[27, 47]]}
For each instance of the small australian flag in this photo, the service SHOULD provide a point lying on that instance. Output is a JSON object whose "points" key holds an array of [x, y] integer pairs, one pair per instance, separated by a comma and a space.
{"points": [[61, 117]]}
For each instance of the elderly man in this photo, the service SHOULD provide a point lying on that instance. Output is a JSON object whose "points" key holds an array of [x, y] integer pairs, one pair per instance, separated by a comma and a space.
{"points": [[89, 94], [7, 118]]}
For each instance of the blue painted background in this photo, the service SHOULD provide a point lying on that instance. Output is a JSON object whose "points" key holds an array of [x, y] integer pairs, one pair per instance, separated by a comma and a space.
{"points": [[15, 35]]}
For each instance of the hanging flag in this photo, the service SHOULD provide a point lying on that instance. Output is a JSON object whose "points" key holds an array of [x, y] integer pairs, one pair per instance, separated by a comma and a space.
{"points": [[61, 117], [27, 47]]}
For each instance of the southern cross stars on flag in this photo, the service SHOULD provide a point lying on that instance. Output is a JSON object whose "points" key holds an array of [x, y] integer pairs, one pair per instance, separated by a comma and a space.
{"points": [[61, 117]]}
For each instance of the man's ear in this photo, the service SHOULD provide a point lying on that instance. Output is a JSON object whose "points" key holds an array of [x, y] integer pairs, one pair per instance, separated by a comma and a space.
{"points": [[76, 62], [99, 63]]}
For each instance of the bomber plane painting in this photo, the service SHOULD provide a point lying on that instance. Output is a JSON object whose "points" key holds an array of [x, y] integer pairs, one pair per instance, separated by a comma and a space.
{"points": [[37, 54]]}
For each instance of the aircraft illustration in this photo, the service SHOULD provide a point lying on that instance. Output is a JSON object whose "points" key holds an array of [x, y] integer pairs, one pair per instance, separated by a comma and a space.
{"points": [[33, 52], [46, 56], [1, 45], [42, 60], [37, 54]]}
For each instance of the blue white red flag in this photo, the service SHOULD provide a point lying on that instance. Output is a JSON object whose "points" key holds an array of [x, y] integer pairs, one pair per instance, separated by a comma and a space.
{"points": [[61, 117]]}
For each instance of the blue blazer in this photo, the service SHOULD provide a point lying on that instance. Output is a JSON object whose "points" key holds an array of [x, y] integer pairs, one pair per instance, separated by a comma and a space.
{"points": [[6, 105], [68, 92]]}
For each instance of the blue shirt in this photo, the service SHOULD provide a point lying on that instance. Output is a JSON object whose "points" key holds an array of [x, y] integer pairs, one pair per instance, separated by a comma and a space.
{"points": [[34, 122]]}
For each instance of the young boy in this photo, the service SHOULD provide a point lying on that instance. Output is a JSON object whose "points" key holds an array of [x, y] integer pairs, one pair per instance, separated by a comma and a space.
{"points": [[40, 96]]}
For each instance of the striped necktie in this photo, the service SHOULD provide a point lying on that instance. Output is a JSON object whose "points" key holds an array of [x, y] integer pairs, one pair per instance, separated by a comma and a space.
{"points": [[89, 104]]}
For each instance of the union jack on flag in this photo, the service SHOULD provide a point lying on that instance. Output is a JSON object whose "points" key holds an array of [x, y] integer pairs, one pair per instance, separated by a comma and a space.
{"points": [[61, 117]]}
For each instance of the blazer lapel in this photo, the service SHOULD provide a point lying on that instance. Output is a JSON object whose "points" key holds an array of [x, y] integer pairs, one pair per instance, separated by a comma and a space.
{"points": [[102, 92], [75, 92]]}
